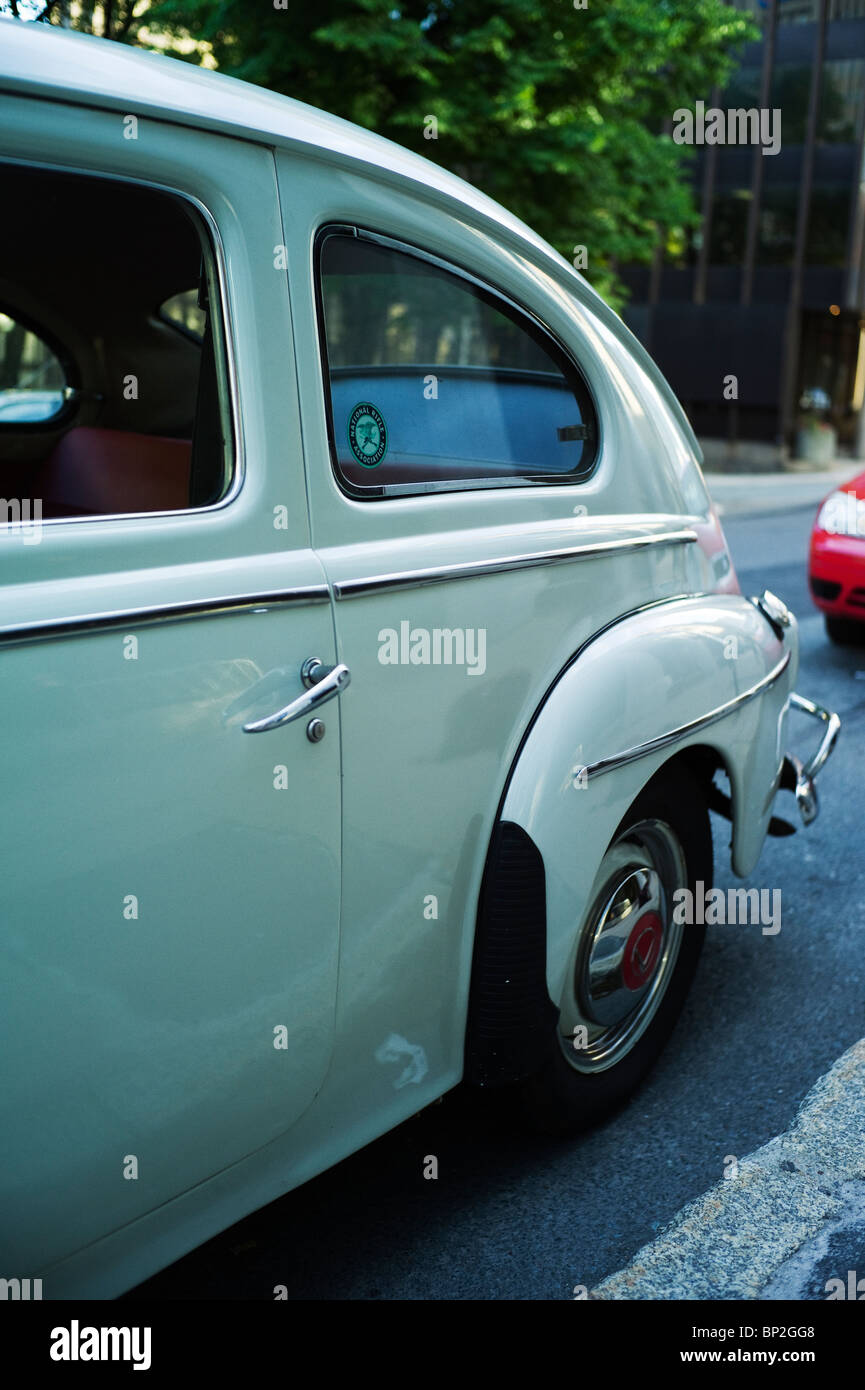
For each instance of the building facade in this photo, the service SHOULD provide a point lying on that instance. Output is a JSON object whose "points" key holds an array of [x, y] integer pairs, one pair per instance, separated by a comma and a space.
{"points": [[759, 323]]}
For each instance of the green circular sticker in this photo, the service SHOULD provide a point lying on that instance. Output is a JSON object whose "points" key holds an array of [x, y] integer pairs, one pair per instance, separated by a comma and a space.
{"points": [[367, 435]]}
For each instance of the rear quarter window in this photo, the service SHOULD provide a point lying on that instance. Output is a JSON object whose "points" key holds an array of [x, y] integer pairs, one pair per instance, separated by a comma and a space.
{"points": [[436, 382]]}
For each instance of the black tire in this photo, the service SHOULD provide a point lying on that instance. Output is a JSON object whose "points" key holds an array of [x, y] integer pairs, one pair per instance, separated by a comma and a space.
{"points": [[558, 1098], [843, 631]]}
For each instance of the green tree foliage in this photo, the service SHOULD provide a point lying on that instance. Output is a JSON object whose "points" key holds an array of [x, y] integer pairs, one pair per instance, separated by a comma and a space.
{"points": [[110, 19], [558, 112], [555, 111]]}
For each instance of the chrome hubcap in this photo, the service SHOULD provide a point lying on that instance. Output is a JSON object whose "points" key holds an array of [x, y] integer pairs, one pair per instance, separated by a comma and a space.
{"points": [[627, 950]]}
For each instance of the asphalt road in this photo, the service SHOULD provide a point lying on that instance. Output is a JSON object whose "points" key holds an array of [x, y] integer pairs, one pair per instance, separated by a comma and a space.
{"points": [[520, 1218]]}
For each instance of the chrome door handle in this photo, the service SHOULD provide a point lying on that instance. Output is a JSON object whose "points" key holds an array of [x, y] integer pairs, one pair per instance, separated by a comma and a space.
{"points": [[323, 682]]}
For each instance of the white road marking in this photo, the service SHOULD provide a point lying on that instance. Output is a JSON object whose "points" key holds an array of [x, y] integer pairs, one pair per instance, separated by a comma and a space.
{"points": [[733, 1240]]}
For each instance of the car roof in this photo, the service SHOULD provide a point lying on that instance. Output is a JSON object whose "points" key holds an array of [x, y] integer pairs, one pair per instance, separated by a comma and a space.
{"points": [[44, 60], [48, 61]]}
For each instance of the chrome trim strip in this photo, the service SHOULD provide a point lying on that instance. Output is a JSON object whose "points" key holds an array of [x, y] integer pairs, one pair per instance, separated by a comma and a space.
{"points": [[641, 750], [48, 628], [440, 574], [226, 332]]}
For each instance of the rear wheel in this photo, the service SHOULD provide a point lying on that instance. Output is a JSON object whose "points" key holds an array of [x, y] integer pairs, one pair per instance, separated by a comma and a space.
{"points": [[631, 963]]}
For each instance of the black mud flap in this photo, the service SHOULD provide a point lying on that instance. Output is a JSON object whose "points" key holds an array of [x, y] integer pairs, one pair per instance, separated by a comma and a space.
{"points": [[510, 1014]]}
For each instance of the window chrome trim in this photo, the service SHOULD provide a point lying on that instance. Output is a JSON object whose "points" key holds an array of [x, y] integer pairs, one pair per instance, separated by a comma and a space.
{"points": [[227, 334], [653, 745], [440, 574], [50, 628]]}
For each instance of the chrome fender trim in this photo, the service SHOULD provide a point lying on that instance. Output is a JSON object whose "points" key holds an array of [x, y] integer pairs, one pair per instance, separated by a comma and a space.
{"points": [[683, 731]]}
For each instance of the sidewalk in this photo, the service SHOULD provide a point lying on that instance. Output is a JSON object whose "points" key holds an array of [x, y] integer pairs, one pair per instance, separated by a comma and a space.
{"points": [[787, 1222], [744, 494]]}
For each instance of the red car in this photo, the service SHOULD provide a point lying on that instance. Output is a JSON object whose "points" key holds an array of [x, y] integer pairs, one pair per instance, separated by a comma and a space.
{"points": [[836, 563]]}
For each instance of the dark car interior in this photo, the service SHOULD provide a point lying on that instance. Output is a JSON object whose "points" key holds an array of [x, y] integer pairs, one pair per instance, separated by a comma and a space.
{"points": [[132, 421]]}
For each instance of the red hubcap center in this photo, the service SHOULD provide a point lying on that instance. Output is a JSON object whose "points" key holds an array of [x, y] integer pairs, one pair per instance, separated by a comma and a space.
{"points": [[642, 950]]}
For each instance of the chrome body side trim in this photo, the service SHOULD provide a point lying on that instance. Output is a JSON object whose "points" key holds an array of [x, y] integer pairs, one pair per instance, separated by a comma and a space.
{"points": [[641, 750], [440, 574], [50, 628]]}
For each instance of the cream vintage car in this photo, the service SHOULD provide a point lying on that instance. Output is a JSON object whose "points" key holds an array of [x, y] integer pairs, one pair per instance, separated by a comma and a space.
{"points": [[371, 659]]}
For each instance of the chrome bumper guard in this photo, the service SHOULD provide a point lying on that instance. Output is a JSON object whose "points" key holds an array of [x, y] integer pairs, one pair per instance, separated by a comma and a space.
{"points": [[798, 777]]}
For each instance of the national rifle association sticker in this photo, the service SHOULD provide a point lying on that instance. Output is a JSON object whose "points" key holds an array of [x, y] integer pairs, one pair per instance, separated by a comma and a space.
{"points": [[367, 435]]}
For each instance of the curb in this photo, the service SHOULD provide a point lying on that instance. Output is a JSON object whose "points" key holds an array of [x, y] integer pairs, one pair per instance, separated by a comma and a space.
{"points": [[750, 494], [754, 493], [732, 1241]]}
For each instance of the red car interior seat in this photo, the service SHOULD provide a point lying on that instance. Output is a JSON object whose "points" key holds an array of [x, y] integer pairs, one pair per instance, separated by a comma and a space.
{"points": [[96, 472]]}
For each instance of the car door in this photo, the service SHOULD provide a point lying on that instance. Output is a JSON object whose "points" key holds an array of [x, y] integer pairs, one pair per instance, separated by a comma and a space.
{"points": [[437, 390], [454, 468], [170, 889]]}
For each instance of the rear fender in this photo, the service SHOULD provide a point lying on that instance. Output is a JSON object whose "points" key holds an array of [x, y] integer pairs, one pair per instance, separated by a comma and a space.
{"points": [[698, 672]]}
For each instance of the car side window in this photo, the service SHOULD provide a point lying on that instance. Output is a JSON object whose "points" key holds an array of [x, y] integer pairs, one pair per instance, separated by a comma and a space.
{"points": [[32, 381], [137, 417], [436, 382]]}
